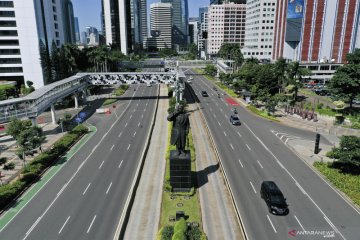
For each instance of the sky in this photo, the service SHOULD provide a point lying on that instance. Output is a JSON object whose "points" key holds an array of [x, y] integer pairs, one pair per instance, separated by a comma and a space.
{"points": [[88, 11]]}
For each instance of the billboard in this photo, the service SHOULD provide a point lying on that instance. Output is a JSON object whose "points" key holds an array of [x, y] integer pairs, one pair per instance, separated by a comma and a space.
{"points": [[295, 9]]}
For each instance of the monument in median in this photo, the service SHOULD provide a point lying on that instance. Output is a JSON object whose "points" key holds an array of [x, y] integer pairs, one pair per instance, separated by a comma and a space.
{"points": [[180, 159]]}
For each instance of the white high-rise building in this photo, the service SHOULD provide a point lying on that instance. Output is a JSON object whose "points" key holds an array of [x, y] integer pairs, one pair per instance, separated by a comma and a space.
{"points": [[160, 26], [23, 25], [203, 28], [193, 31], [226, 25], [260, 22]]}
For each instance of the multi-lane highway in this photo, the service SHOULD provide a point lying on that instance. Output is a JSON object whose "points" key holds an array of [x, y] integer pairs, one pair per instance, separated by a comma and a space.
{"points": [[85, 199], [251, 153]]}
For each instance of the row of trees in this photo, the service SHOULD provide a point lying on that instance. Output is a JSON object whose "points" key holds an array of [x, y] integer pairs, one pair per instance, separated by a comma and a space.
{"points": [[62, 62]]}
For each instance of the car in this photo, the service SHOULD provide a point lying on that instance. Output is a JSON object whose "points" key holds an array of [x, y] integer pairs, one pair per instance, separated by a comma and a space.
{"points": [[148, 84], [234, 119], [274, 198], [204, 94], [188, 81]]}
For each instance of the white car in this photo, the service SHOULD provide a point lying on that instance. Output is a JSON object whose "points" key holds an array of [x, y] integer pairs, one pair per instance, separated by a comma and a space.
{"points": [[148, 84]]}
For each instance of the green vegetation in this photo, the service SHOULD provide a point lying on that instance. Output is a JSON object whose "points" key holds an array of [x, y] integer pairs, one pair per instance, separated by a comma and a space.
{"points": [[345, 182], [168, 52], [231, 51], [3, 160], [193, 52], [262, 113], [7, 91], [121, 90], [109, 101], [41, 162], [9, 166], [347, 154]]}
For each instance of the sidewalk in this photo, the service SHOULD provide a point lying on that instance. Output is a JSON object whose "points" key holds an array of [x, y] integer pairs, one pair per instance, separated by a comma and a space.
{"points": [[145, 212], [218, 213]]}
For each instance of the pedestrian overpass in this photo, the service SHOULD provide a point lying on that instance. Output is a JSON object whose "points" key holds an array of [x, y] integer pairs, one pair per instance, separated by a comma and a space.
{"points": [[32, 105]]}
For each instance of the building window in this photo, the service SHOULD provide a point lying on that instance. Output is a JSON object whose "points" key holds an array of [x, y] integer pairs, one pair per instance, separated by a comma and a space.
{"points": [[11, 70], [57, 43], [10, 60], [54, 9], [9, 51], [55, 18], [56, 26], [7, 14], [7, 24], [6, 4], [8, 33], [57, 34], [9, 42]]}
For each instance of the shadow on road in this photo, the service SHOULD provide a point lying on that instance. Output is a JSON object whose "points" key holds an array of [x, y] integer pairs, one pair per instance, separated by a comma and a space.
{"points": [[201, 177]]}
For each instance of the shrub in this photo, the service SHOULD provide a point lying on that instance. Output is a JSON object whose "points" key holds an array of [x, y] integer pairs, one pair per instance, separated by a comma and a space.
{"points": [[180, 226], [9, 191], [194, 233], [179, 236], [9, 166], [80, 130], [29, 177], [319, 105], [167, 232], [3, 160], [356, 125], [64, 143]]}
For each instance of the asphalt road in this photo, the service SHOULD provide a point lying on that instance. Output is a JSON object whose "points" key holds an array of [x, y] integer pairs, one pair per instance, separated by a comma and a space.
{"points": [[251, 153], [86, 198]]}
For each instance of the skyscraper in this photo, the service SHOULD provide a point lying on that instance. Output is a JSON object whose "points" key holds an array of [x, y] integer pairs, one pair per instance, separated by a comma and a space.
{"points": [[226, 25], [160, 26], [27, 24], [193, 30], [138, 22], [180, 16], [69, 21], [77, 31], [316, 30], [259, 30]]}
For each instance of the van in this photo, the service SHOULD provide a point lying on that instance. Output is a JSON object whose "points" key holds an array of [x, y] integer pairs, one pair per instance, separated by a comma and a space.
{"points": [[274, 198]]}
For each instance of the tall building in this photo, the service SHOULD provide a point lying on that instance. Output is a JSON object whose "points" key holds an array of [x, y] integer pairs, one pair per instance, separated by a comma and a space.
{"points": [[91, 36], [24, 24], [193, 30], [316, 30], [123, 23], [180, 16], [69, 21], [160, 27], [226, 25], [203, 28], [216, 2], [259, 29], [77, 31]]}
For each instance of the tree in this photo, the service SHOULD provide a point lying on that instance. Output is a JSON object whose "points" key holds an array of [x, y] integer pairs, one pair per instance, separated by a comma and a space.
{"points": [[45, 62], [232, 51], [168, 52], [348, 153], [210, 70], [345, 83], [16, 126], [30, 139], [280, 72], [55, 63]]}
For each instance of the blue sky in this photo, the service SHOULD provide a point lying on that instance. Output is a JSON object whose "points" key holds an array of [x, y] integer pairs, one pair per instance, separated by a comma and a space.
{"points": [[88, 11]]}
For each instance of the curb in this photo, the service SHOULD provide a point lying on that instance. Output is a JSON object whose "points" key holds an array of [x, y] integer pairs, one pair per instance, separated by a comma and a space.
{"points": [[240, 221], [125, 215], [322, 177]]}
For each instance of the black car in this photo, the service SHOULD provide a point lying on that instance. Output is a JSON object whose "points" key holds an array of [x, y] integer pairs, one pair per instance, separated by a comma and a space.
{"points": [[234, 119], [204, 94], [274, 198]]}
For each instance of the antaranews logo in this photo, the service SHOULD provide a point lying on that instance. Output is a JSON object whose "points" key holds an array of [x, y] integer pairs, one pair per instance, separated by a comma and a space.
{"points": [[324, 234]]}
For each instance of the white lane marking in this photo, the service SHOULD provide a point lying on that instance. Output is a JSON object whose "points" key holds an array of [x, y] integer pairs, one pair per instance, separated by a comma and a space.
{"points": [[92, 222], [225, 133], [112, 147], [216, 104], [281, 137], [259, 163], [292, 177], [120, 164], [101, 164], [120, 134], [138, 124], [71, 178], [333, 226], [225, 116], [248, 147], [299, 223], [144, 109], [64, 224], [108, 189], [239, 134], [142, 115], [214, 115], [128, 147], [221, 109], [219, 123], [253, 187], [207, 103], [130, 116], [86, 188], [137, 104], [232, 146], [134, 134], [241, 163], [210, 109], [62, 189], [271, 223], [287, 139], [300, 187], [126, 124]]}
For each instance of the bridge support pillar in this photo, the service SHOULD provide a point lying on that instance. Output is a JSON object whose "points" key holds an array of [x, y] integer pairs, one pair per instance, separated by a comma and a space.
{"points": [[76, 98], [53, 114], [33, 121]]}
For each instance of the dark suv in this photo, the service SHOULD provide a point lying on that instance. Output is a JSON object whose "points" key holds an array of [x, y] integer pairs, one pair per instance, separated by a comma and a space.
{"points": [[235, 120], [204, 94], [274, 198]]}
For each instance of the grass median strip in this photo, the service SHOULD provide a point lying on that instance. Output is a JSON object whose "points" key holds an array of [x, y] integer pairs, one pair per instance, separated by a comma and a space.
{"points": [[8, 215], [262, 113]]}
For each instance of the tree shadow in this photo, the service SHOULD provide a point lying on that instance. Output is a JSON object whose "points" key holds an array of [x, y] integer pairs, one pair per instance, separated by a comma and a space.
{"points": [[201, 177], [346, 168]]}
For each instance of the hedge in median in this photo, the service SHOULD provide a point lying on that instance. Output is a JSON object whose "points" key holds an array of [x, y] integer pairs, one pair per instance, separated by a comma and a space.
{"points": [[33, 170]]}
